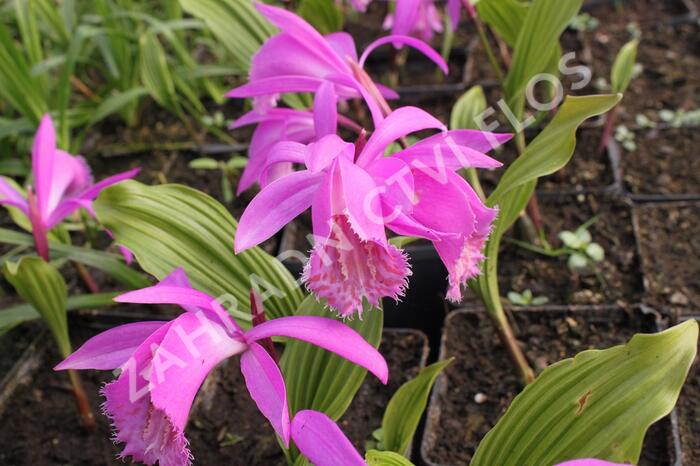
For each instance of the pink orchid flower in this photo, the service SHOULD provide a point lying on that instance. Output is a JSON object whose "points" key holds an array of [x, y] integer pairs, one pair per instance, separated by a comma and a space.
{"points": [[163, 364], [62, 185], [419, 18], [454, 10], [300, 59], [322, 442], [284, 124], [355, 193], [360, 5]]}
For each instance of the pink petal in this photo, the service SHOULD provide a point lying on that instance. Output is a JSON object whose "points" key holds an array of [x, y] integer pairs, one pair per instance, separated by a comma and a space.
{"points": [[454, 9], [361, 200], [406, 16], [276, 85], [258, 116], [71, 176], [343, 44], [480, 141], [110, 349], [10, 196], [321, 441], [177, 277], [325, 110], [266, 386], [350, 82], [329, 334], [323, 152], [167, 294], [303, 32], [275, 206], [95, 190], [417, 44], [388, 93], [399, 123], [43, 151], [285, 153]]}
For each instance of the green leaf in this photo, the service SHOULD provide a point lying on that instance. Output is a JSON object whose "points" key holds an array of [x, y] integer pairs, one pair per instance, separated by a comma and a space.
{"points": [[554, 146], [116, 102], [623, 67], [468, 108], [537, 41], [155, 74], [111, 264], [386, 458], [406, 407], [40, 284], [504, 16], [204, 163], [317, 379], [596, 405], [596, 252], [235, 23], [15, 315], [323, 15], [171, 226]]}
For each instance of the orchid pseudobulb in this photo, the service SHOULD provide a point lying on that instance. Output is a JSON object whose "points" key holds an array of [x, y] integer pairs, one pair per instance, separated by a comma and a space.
{"points": [[62, 185], [355, 193], [163, 364]]}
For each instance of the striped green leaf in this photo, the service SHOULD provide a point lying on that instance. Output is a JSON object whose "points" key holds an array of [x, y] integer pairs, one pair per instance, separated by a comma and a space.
{"points": [[172, 226], [596, 405], [386, 458]]}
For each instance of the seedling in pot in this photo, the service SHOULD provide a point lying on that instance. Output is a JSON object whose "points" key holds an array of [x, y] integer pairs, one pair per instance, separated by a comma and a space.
{"points": [[627, 138], [229, 169], [526, 298], [680, 118]]}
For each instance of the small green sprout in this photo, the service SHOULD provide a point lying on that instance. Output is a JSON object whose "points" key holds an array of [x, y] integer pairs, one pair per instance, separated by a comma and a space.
{"points": [[680, 118], [230, 440], [644, 121], [526, 298], [625, 137], [228, 170], [583, 252], [377, 440], [584, 23]]}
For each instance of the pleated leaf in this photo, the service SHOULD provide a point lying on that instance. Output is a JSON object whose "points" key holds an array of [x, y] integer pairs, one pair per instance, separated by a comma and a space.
{"points": [[41, 285], [623, 67], [597, 405], [319, 380], [172, 226], [386, 458]]}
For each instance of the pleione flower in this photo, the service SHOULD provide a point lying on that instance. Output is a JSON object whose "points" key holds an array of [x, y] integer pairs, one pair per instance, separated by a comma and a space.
{"points": [[62, 184], [419, 18], [300, 59], [163, 364], [355, 193]]}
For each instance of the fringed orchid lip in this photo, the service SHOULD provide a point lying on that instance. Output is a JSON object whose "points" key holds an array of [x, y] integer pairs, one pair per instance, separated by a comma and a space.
{"points": [[164, 364]]}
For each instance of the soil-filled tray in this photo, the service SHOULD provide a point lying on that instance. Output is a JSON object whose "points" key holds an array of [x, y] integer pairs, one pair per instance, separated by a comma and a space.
{"points": [[550, 277], [669, 243], [665, 165], [40, 425], [689, 416], [478, 387]]}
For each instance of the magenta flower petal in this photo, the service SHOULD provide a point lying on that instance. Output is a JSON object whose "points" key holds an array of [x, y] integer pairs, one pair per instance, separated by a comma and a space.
{"points": [[321, 441], [110, 349], [481, 141], [454, 9], [10, 196], [43, 151], [325, 110], [323, 152], [167, 294], [417, 44], [329, 334], [406, 16], [441, 152], [266, 386], [276, 85], [275, 206], [71, 176], [361, 205], [343, 44], [399, 123], [94, 191]]}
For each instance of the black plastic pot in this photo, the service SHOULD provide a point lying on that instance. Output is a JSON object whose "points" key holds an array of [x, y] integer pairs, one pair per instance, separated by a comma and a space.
{"points": [[631, 321]]}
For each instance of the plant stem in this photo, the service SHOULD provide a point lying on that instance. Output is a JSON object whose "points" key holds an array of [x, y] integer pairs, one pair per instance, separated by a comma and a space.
{"points": [[608, 129], [81, 400], [487, 47], [473, 178], [41, 242], [90, 282], [505, 333]]}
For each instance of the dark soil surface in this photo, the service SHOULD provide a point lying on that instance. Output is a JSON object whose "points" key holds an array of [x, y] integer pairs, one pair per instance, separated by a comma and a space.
{"points": [[689, 416], [669, 241], [14, 343], [481, 367], [665, 162], [41, 427], [550, 277]]}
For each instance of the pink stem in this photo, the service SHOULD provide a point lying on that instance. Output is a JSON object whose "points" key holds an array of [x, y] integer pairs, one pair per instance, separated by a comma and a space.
{"points": [[39, 232], [258, 312]]}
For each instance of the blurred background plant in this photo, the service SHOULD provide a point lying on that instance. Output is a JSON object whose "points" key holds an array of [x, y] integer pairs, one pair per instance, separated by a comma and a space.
{"points": [[88, 61]]}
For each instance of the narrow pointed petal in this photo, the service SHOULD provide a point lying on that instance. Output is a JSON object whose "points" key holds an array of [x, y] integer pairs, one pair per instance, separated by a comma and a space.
{"points": [[110, 349], [480, 141], [177, 277], [321, 441], [10, 196], [324, 152], [43, 151], [343, 44], [71, 176], [275, 206], [417, 44], [442, 151], [326, 333], [325, 110], [406, 15], [302, 31], [95, 190], [282, 154], [257, 116], [362, 202], [266, 386], [276, 85], [454, 9], [399, 123]]}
